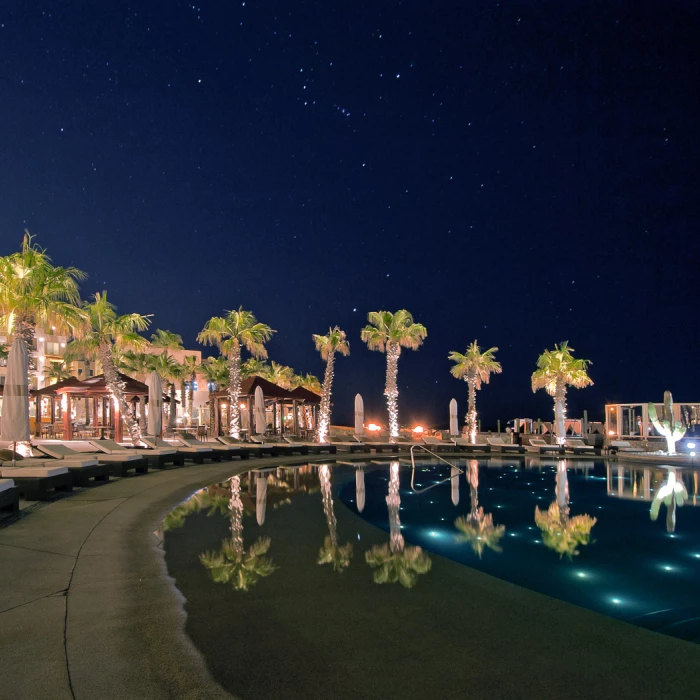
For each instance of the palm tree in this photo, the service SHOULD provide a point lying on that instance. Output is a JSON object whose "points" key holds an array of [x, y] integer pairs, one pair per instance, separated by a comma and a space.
{"points": [[474, 367], [331, 552], [253, 367], [231, 333], [394, 562], [167, 340], [56, 372], [282, 375], [477, 527], [190, 367], [328, 345], [557, 369], [170, 370], [560, 531], [309, 382], [215, 370], [233, 564], [104, 334], [33, 292], [136, 364], [389, 332]]}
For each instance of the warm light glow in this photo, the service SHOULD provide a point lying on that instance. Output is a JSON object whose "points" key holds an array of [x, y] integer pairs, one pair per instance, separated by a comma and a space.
{"points": [[611, 432], [418, 429], [223, 405], [373, 427], [243, 406], [64, 402], [41, 340]]}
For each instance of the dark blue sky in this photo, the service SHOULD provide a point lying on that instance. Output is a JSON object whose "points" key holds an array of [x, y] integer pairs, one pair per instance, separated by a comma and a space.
{"points": [[518, 172]]}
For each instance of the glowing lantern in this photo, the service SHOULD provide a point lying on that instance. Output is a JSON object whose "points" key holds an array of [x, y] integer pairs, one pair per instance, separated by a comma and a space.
{"points": [[373, 427], [418, 429]]}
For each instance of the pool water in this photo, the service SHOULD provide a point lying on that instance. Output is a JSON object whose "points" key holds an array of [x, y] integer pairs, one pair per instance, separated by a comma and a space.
{"points": [[323, 581], [580, 532]]}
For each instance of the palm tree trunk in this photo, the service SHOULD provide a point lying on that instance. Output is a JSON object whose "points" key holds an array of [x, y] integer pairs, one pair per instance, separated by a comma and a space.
{"points": [[235, 506], [324, 423], [190, 399], [560, 411], [24, 328], [116, 387], [392, 391], [183, 398], [393, 502], [234, 391], [324, 476], [172, 416], [212, 408], [471, 411]]}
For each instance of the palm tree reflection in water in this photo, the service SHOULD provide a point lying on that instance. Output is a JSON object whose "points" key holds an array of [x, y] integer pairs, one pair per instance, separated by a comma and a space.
{"points": [[477, 528], [233, 564], [331, 552], [394, 562], [561, 532]]}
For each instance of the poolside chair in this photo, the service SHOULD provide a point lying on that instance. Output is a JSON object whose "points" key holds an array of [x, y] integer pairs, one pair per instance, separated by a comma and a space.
{"points": [[253, 450], [463, 445], [354, 445], [498, 445], [315, 448], [377, 445], [437, 445], [577, 446], [624, 446], [156, 458], [9, 496], [82, 466], [194, 452], [35, 482], [540, 446], [284, 447], [226, 451]]}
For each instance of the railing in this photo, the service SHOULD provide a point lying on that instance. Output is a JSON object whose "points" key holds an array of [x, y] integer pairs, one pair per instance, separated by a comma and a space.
{"points": [[437, 456]]}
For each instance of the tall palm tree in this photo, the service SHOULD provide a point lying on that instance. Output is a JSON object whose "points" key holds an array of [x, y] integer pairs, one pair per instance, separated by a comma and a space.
{"points": [[308, 381], [170, 370], [215, 370], [560, 531], [166, 340], [231, 333], [328, 346], [190, 367], [338, 555], [474, 367], [557, 369], [33, 292], [233, 563], [136, 364], [395, 562], [282, 375], [477, 527], [389, 332], [104, 334], [56, 372], [253, 367]]}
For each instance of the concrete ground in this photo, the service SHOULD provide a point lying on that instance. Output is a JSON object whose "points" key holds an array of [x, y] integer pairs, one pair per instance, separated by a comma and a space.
{"points": [[88, 610]]}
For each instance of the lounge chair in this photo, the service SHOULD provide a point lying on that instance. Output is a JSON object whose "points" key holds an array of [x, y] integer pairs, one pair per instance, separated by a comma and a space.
{"points": [[253, 450], [542, 447], [498, 445], [225, 451], [437, 445], [196, 453], [157, 458], [577, 446], [35, 482], [616, 446], [354, 445], [9, 496], [81, 465], [273, 448], [377, 445], [315, 448], [284, 447], [463, 445]]}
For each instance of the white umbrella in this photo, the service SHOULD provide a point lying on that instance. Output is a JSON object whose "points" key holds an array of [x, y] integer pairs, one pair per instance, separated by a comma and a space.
{"points": [[260, 421], [454, 484], [359, 415], [155, 404], [260, 497], [15, 402], [360, 488], [454, 425]]}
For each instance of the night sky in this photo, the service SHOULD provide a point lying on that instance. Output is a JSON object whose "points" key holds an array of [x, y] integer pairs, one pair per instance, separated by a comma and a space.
{"points": [[521, 173]]}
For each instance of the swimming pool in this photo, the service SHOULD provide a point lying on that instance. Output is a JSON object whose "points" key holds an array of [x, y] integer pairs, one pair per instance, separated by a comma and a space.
{"points": [[335, 581]]}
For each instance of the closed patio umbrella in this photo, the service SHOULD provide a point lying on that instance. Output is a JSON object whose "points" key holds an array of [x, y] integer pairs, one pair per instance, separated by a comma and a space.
{"points": [[454, 485], [155, 404], [15, 403], [260, 497], [359, 415], [260, 421], [360, 488], [454, 425]]}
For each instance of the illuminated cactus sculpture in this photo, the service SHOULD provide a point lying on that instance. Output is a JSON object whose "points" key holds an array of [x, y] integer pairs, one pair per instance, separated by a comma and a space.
{"points": [[670, 428]]}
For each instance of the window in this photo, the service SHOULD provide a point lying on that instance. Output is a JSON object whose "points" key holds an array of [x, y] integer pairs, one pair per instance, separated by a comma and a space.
{"points": [[194, 386], [53, 348]]}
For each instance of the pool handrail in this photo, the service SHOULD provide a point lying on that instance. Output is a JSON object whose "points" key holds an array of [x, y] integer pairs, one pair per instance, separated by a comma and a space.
{"points": [[437, 456]]}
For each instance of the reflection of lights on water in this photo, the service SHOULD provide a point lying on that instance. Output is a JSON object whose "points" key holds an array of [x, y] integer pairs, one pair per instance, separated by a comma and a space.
{"points": [[666, 567], [581, 574], [432, 533], [358, 535], [616, 601], [697, 556], [513, 534]]}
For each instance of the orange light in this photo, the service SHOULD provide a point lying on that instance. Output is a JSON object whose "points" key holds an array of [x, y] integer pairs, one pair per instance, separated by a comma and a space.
{"points": [[243, 406], [418, 429], [374, 427], [611, 432]]}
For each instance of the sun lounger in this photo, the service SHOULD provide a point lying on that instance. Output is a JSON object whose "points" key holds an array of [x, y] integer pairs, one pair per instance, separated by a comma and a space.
{"points": [[81, 465], [437, 445], [274, 448], [540, 446], [226, 451], [498, 445], [9, 496], [156, 457], [285, 447], [624, 446], [253, 450], [577, 446], [375, 445], [35, 482], [355, 445], [464, 445], [193, 452], [315, 448]]}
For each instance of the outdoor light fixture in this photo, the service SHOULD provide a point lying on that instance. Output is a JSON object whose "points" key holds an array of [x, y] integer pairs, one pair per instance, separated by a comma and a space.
{"points": [[611, 432], [374, 427], [418, 429], [691, 445]]}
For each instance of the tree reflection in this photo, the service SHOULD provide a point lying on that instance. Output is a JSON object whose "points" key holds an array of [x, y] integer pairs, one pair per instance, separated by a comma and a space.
{"points": [[477, 527], [560, 531], [233, 564], [395, 562], [671, 493], [331, 552], [215, 498]]}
